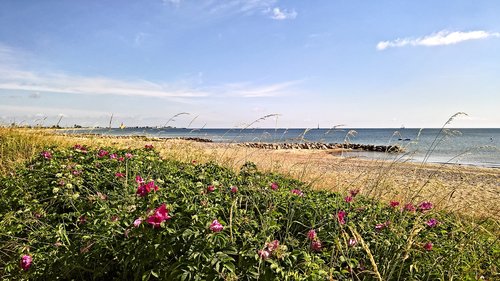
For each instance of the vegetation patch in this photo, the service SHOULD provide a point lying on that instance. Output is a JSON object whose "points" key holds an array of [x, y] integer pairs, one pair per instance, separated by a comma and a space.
{"points": [[106, 214]]}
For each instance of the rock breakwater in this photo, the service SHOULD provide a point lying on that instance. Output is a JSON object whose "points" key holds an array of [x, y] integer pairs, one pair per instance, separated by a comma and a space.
{"points": [[325, 146]]}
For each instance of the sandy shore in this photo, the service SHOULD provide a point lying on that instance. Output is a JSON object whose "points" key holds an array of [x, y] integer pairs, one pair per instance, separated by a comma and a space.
{"points": [[468, 190]]}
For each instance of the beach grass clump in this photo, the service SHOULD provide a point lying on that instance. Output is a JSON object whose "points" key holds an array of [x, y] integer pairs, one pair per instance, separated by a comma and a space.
{"points": [[83, 213]]}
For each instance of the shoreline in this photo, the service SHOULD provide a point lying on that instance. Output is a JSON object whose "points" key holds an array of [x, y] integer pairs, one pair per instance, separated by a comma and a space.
{"points": [[353, 148]]}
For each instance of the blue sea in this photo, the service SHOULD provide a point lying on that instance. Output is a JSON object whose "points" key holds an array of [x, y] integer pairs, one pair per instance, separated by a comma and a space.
{"points": [[478, 147]]}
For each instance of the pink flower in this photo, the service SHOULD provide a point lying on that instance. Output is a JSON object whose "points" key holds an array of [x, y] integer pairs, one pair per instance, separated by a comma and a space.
{"points": [[425, 206], [144, 189], [137, 222], [26, 262], [216, 226], [341, 217], [311, 235], [428, 246], [348, 199], [102, 153], [80, 148], [139, 180], [394, 204], [273, 245], [119, 175], [148, 146], [141, 190], [193, 162], [210, 188], [316, 245], [76, 172], [121, 159], [409, 207], [113, 156], [160, 215], [381, 226], [234, 189], [46, 155], [274, 186], [354, 192], [297, 192], [263, 254], [151, 186], [128, 155], [352, 242], [432, 222]]}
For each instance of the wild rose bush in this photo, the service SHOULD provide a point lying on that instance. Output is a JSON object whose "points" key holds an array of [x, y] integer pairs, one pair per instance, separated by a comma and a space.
{"points": [[103, 214]]}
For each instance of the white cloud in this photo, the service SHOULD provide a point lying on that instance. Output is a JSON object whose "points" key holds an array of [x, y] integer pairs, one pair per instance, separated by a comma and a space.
{"points": [[17, 78], [278, 14], [239, 6], [438, 39], [248, 90]]}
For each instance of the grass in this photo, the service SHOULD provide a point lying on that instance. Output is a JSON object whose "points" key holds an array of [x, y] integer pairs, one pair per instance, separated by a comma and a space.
{"points": [[74, 217]]}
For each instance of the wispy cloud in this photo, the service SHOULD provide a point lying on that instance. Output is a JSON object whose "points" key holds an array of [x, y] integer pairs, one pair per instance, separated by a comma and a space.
{"points": [[239, 6], [279, 14], [438, 39], [17, 78], [266, 8], [249, 90]]}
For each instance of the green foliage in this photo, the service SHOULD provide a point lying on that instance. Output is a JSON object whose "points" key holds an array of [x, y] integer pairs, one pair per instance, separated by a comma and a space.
{"points": [[75, 217]]}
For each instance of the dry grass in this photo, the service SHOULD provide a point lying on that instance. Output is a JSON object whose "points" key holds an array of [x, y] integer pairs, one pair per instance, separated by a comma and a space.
{"points": [[468, 190]]}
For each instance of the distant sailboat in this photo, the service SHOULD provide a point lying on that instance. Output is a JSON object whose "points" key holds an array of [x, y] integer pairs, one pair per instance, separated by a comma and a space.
{"points": [[401, 138], [122, 126]]}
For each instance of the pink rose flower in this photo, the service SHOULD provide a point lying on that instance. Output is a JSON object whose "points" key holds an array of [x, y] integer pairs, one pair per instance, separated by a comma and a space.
{"points": [[210, 188], [425, 206], [428, 246], [234, 189], [216, 226], [273, 245], [311, 235], [297, 192], [160, 215], [26, 262], [316, 245], [352, 242], [354, 192], [274, 186], [394, 204], [432, 222], [47, 155], [137, 222], [409, 207], [348, 199], [102, 153], [263, 254], [341, 217]]}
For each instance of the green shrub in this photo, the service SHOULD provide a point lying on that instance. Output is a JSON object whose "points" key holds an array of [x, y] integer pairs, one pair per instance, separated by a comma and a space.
{"points": [[79, 216]]}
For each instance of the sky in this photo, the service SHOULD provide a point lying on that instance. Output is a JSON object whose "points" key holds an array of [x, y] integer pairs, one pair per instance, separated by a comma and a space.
{"points": [[227, 64]]}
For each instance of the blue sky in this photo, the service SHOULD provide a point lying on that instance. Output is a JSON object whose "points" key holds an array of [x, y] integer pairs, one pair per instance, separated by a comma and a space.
{"points": [[228, 63]]}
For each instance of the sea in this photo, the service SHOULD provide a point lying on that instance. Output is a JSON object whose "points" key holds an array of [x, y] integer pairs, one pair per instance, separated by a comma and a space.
{"points": [[478, 147]]}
